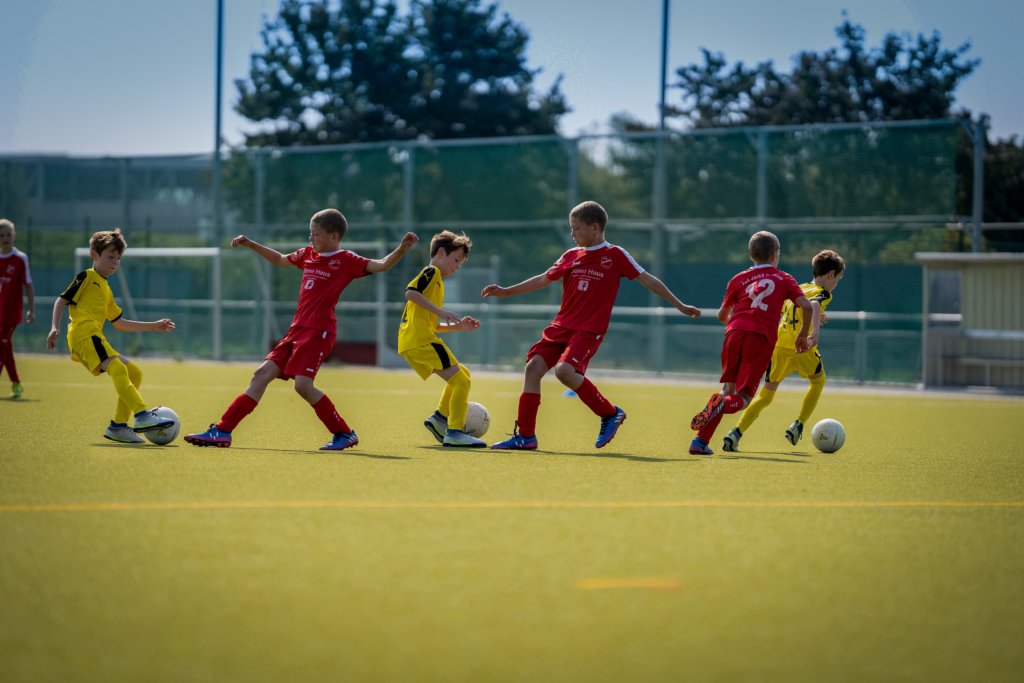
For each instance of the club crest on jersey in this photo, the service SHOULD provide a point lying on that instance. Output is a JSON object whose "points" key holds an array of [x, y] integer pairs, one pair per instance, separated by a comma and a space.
{"points": [[606, 262], [334, 264]]}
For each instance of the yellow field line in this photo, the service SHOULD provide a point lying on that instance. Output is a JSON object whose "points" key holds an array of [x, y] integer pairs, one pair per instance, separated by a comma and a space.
{"points": [[485, 505]]}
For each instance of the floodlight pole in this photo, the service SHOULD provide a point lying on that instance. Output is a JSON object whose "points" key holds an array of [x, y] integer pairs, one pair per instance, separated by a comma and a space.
{"points": [[664, 62], [217, 218]]}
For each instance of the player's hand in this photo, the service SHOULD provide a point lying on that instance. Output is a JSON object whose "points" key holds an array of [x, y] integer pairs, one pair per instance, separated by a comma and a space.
{"points": [[494, 290], [51, 339], [30, 317], [823, 319], [241, 241], [450, 317], [691, 311], [408, 241], [164, 325], [469, 323], [802, 344]]}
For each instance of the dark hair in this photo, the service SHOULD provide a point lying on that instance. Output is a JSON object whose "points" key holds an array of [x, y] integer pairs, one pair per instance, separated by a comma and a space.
{"points": [[826, 261], [450, 242], [590, 213], [332, 221], [106, 238], [762, 245]]}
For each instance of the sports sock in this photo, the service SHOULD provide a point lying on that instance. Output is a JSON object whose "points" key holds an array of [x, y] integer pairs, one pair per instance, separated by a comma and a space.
{"points": [[708, 431], [594, 400], [763, 399], [811, 397], [444, 406], [129, 401], [123, 410], [327, 413], [732, 403], [7, 354], [236, 412], [459, 400], [529, 405]]}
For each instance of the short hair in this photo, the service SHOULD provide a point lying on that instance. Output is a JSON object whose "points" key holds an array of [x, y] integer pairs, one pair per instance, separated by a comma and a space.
{"points": [[6, 223], [825, 261], [590, 212], [106, 238], [450, 242], [762, 245], [332, 221]]}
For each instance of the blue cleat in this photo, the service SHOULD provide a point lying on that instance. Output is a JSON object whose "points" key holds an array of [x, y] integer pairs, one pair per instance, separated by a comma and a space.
{"points": [[211, 437], [437, 425], [518, 442], [700, 447], [341, 441], [609, 426]]}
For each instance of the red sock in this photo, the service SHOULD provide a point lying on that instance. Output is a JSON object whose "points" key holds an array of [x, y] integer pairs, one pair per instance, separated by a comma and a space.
{"points": [[236, 412], [708, 430], [7, 352], [733, 404], [593, 399], [329, 416], [529, 404]]}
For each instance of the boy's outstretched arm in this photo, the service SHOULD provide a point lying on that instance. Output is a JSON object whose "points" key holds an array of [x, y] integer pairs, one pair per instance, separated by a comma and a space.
{"points": [[805, 323], [386, 263], [534, 283], [272, 255], [58, 312], [443, 315], [162, 325], [658, 287]]}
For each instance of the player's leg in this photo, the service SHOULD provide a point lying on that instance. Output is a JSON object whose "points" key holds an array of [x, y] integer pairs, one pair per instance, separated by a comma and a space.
{"points": [[129, 401], [7, 359], [779, 368], [219, 433], [457, 380], [811, 367], [524, 434]]}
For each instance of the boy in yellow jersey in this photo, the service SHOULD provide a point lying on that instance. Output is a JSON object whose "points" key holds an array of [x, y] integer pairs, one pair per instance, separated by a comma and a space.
{"points": [[420, 346], [828, 268], [92, 303]]}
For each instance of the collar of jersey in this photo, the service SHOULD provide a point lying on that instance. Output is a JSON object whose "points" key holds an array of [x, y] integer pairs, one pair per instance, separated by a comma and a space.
{"points": [[329, 253], [597, 246], [761, 265]]}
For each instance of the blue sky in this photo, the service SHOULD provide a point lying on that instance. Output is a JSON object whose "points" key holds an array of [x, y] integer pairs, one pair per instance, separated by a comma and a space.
{"points": [[130, 77]]}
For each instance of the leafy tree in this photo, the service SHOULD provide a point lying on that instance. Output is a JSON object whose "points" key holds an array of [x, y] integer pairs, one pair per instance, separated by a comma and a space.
{"points": [[359, 71]]}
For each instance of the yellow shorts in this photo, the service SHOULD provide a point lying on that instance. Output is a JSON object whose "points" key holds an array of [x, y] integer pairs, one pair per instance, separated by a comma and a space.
{"points": [[787, 361], [91, 352], [430, 358]]}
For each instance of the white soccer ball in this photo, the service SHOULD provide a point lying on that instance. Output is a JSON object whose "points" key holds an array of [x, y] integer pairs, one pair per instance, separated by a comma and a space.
{"points": [[828, 436], [164, 436], [478, 420]]}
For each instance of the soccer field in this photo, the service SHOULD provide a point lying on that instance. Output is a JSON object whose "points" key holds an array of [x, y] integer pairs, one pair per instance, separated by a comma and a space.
{"points": [[898, 558]]}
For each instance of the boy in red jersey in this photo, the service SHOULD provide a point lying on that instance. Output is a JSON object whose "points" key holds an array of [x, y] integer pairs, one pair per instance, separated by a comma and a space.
{"points": [[326, 271], [15, 280], [750, 311], [590, 276]]}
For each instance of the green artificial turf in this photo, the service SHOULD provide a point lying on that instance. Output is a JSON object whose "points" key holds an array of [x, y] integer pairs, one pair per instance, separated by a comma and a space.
{"points": [[898, 558]]}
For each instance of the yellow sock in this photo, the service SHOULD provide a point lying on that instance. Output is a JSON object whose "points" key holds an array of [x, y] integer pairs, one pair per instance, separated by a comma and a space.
{"points": [[763, 399], [811, 397], [444, 406], [129, 401], [458, 400]]}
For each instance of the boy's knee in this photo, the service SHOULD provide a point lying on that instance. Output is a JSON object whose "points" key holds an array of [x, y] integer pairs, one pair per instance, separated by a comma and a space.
{"points": [[817, 379], [565, 373]]}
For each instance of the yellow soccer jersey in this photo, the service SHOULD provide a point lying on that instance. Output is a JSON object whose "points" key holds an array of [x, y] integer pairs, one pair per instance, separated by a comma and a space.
{"points": [[790, 321], [90, 304], [418, 324]]}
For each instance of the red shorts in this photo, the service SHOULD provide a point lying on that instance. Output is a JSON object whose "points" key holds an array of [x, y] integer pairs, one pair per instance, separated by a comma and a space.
{"points": [[745, 357], [574, 347], [301, 352]]}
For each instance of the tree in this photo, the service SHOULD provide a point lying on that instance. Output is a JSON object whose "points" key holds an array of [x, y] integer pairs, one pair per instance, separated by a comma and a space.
{"points": [[358, 71]]}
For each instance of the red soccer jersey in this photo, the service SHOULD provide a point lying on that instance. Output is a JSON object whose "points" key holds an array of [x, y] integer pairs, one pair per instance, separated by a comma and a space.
{"points": [[14, 275], [324, 276], [756, 296], [590, 281]]}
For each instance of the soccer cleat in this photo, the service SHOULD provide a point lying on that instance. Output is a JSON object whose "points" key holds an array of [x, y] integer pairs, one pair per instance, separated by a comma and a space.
{"points": [[437, 425], [731, 442], [460, 439], [794, 432], [341, 441], [148, 420], [211, 437], [609, 426], [698, 447], [16, 390], [518, 442], [710, 412], [122, 433]]}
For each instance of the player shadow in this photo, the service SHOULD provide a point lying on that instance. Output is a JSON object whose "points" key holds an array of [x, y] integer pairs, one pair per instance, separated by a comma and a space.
{"points": [[608, 454], [734, 456], [373, 456], [306, 451], [8, 399]]}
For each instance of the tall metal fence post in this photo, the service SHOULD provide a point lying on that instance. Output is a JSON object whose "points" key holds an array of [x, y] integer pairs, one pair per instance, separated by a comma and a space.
{"points": [[762, 176], [659, 209], [979, 130], [218, 306]]}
